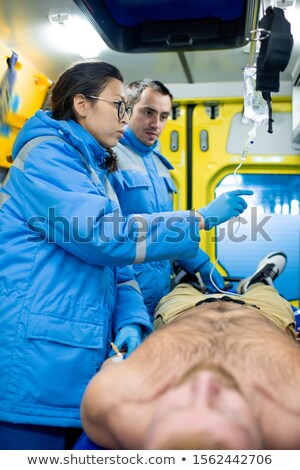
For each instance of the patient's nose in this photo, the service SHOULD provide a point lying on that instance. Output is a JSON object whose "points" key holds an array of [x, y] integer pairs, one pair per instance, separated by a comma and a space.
{"points": [[207, 388]]}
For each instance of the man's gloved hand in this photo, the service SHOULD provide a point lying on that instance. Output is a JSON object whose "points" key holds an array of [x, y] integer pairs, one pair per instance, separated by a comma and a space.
{"points": [[205, 271], [202, 264], [224, 207], [129, 337]]}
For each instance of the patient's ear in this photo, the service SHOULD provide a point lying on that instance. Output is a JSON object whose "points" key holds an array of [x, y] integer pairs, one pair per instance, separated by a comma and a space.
{"points": [[81, 105]]}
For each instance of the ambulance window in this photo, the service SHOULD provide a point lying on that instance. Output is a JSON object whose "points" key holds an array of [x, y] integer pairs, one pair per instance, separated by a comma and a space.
{"points": [[271, 223]]}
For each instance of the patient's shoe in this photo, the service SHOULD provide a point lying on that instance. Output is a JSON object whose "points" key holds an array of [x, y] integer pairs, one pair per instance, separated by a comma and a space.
{"points": [[267, 270]]}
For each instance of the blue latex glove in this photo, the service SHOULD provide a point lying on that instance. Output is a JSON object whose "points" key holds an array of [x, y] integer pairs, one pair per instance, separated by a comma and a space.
{"points": [[129, 337], [205, 271], [224, 207], [203, 264]]}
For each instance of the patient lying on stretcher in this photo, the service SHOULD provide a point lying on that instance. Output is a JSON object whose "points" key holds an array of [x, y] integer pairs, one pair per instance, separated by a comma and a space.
{"points": [[219, 373]]}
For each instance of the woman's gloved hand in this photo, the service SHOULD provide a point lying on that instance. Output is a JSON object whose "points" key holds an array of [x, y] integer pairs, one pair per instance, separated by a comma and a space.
{"points": [[129, 337], [224, 207]]}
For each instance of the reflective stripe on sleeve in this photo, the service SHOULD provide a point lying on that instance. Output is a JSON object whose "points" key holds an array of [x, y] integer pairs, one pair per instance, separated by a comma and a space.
{"points": [[131, 283], [141, 244], [3, 198]]}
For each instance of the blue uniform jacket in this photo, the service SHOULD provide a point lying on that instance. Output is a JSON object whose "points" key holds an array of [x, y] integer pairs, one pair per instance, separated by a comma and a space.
{"points": [[62, 295], [143, 184]]}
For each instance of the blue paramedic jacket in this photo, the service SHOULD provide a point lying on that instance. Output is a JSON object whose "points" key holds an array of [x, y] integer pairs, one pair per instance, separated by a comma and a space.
{"points": [[143, 184], [65, 288]]}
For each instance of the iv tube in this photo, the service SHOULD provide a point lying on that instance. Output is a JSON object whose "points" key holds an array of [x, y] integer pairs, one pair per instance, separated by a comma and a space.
{"points": [[248, 143]]}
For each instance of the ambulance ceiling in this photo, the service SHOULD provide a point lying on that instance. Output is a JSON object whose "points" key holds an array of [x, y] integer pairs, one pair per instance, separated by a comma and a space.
{"points": [[170, 25], [175, 41]]}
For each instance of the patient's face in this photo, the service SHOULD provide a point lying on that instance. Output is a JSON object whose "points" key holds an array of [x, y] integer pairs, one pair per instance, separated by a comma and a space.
{"points": [[205, 410]]}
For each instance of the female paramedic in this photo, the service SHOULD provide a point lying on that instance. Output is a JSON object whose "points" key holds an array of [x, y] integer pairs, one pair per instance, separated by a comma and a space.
{"points": [[65, 290]]}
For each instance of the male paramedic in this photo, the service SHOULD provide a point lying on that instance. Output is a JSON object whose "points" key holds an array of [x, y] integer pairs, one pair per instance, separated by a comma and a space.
{"points": [[144, 185], [220, 372]]}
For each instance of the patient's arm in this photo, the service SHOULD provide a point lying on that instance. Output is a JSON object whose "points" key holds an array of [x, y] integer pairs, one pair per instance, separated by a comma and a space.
{"points": [[298, 336], [114, 411], [100, 404], [119, 400]]}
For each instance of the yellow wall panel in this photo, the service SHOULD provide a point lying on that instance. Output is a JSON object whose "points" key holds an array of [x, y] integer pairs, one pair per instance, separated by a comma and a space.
{"points": [[173, 144], [29, 92]]}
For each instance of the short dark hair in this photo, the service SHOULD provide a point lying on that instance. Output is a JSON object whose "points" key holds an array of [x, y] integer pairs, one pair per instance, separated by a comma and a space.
{"points": [[86, 78], [136, 88]]}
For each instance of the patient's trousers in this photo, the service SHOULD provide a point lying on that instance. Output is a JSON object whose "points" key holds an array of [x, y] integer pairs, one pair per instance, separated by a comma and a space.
{"points": [[271, 304]]}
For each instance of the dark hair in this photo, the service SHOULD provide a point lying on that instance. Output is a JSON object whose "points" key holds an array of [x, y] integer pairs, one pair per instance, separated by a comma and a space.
{"points": [[86, 78], [136, 88]]}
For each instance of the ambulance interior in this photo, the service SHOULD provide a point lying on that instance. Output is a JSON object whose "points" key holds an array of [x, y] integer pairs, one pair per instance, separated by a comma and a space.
{"points": [[200, 50]]}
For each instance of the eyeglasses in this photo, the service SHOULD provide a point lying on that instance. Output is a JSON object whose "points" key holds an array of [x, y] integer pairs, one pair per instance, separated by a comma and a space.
{"points": [[121, 106]]}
